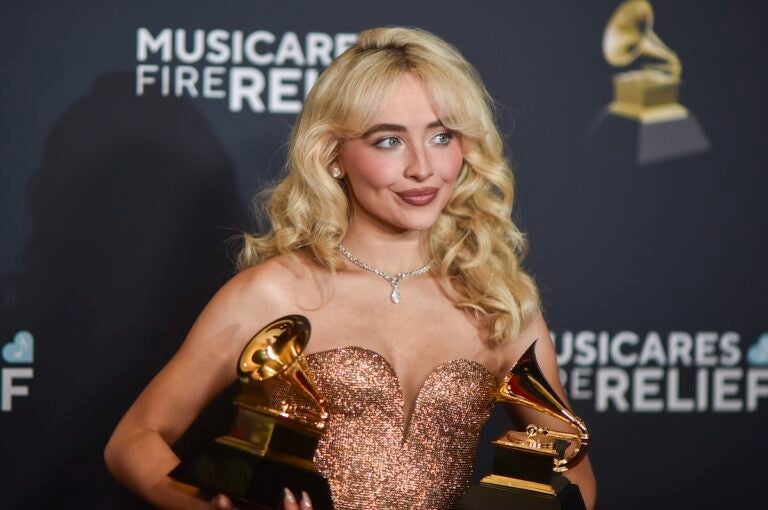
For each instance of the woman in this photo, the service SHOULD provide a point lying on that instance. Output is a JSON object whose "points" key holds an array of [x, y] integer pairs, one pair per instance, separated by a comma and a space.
{"points": [[395, 168]]}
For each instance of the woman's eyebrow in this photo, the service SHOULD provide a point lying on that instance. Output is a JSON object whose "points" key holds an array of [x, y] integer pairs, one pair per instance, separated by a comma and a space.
{"points": [[396, 127]]}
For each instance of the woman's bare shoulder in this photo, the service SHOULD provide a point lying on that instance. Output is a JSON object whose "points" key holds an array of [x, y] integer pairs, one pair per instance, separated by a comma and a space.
{"points": [[270, 284]]}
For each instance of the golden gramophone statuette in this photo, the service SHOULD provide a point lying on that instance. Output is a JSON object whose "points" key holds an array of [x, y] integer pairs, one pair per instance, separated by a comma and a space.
{"points": [[526, 465], [645, 121], [649, 94], [267, 448]]}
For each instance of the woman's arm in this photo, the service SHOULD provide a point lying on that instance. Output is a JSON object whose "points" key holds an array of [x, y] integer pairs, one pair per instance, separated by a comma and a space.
{"points": [[546, 356], [139, 454]]}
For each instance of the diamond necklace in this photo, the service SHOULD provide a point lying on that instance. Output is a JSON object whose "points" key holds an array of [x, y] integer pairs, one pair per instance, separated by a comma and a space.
{"points": [[393, 280]]}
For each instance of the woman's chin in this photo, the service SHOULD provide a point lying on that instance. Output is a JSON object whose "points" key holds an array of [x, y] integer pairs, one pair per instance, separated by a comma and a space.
{"points": [[404, 227], [405, 221], [417, 226]]}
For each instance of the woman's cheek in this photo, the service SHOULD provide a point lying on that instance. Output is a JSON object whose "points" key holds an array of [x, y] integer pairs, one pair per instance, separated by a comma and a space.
{"points": [[454, 159], [380, 170]]}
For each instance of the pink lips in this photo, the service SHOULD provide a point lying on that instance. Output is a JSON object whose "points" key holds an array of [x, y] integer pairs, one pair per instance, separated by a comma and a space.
{"points": [[418, 196]]}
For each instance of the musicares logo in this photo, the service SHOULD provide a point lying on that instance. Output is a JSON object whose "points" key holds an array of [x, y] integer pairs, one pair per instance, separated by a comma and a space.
{"points": [[19, 351], [674, 372], [259, 71]]}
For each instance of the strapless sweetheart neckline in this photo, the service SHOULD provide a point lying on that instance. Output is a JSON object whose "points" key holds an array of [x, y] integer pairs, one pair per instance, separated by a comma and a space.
{"points": [[406, 417], [368, 453]]}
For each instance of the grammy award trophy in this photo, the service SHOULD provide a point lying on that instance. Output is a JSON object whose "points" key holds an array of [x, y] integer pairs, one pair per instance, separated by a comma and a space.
{"points": [[267, 448], [645, 121], [527, 465]]}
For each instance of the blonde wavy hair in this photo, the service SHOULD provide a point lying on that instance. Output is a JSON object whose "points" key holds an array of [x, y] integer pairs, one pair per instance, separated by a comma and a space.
{"points": [[475, 247]]}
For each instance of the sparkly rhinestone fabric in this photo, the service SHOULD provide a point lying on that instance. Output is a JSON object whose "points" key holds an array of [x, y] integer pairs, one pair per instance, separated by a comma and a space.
{"points": [[371, 458]]}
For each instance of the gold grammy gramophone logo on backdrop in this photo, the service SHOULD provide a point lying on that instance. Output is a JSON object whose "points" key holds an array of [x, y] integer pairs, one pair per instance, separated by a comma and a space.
{"points": [[645, 120]]}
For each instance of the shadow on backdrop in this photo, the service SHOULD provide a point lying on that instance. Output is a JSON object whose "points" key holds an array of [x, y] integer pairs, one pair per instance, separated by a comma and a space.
{"points": [[130, 210]]}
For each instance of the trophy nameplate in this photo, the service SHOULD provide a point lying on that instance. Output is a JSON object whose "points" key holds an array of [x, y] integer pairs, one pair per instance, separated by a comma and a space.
{"points": [[267, 448]]}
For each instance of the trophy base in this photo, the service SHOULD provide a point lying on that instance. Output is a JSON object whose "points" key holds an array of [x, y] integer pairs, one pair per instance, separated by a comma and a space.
{"points": [[642, 142], [250, 478], [566, 496]]}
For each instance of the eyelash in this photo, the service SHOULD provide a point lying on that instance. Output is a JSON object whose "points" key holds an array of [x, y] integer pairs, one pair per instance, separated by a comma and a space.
{"points": [[378, 143], [449, 136]]}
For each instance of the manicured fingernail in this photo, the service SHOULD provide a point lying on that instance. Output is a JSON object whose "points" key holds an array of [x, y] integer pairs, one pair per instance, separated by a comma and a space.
{"points": [[289, 496], [305, 501]]}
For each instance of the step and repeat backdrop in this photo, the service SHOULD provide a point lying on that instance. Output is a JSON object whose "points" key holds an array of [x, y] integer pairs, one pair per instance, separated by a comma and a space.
{"points": [[133, 136]]}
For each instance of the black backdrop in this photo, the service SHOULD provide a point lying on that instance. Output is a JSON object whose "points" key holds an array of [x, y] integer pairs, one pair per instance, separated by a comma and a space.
{"points": [[116, 206]]}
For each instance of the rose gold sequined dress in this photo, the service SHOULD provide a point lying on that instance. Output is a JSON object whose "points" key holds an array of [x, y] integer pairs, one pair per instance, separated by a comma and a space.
{"points": [[371, 458]]}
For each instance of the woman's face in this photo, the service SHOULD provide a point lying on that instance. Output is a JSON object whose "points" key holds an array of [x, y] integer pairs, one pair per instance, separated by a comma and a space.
{"points": [[403, 169]]}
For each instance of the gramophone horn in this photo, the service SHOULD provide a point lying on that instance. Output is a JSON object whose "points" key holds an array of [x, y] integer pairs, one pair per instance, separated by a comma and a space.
{"points": [[274, 352], [629, 35]]}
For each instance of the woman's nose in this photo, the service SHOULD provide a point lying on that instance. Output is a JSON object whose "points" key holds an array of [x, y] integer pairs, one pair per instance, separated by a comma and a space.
{"points": [[418, 165]]}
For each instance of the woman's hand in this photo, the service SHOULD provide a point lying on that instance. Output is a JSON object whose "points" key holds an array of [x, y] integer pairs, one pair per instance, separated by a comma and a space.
{"points": [[221, 502], [290, 503]]}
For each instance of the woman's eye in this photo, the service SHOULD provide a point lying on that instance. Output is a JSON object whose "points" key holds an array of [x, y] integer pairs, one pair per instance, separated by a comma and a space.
{"points": [[390, 142], [443, 138]]}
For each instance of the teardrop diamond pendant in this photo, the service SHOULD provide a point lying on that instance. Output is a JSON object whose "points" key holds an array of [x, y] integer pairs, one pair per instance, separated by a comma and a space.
{"points": [[393, 280]]}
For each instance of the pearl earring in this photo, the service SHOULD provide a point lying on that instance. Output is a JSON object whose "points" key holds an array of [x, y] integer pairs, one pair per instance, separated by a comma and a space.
{"points": [[336, 172]]}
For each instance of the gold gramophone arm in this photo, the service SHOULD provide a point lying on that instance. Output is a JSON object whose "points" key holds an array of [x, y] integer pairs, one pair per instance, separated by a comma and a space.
{"points": [[297, 377], [579, 439], [653, 46], [294, 411]]}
